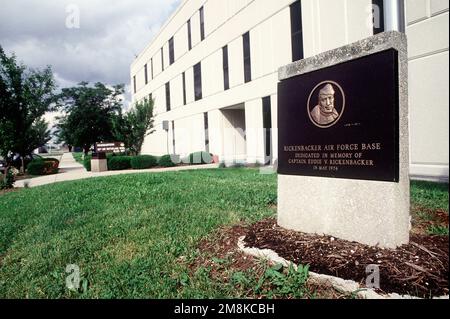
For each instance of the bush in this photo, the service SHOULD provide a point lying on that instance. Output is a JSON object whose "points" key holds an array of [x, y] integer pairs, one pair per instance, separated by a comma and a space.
{"points": [[87, 162], [143, 162], [199, 158], [36, 167], [118, 163], [166, 161], [46, 166], [7, 182]]}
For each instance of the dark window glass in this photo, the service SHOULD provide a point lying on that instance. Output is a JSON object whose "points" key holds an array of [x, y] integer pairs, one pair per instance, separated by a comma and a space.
{"points": [[151, 66], [226, 75], [198, 81], [173, 137], [162, 59], [171, 51], [267, 123], [134, 83], [297, 31], [168, 96], [145, 74], [184, 88], [205, 117], [150, 97], [202, 23], [189, 34], [378, 16], [247, 60]]}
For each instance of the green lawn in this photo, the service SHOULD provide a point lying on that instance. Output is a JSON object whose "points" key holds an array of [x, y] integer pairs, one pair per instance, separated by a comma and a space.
{"points": [[78, 157], [125, 233], [133, 235], [430, 195]]}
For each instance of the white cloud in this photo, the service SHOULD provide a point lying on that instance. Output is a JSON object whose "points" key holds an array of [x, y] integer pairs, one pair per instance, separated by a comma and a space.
{"points": [[111, 33]]}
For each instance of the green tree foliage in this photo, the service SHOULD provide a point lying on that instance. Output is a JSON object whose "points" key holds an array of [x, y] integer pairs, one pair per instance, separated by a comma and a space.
{"points": [[133, 126], [25, 96], [88, 114]]}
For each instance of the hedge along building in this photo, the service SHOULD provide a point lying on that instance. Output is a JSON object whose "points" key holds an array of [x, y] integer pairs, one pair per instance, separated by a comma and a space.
{"points": [[212, 71]]}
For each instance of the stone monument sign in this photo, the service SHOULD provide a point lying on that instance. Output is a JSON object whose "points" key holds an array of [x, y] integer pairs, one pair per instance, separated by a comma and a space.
{"points": [[343, 143]]}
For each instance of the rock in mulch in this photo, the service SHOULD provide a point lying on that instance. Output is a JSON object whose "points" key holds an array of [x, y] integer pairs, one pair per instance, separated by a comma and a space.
{"points": [[418, 269]]}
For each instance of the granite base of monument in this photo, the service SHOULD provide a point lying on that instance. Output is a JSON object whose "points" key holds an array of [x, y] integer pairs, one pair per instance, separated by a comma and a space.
{"points": [[99, 165], [331, 182]]}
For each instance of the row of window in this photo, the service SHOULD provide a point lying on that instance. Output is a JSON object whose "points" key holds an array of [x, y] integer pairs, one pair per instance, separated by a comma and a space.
{"points": [[172, 48], [197, 86], [198, 94], [297, 50]]}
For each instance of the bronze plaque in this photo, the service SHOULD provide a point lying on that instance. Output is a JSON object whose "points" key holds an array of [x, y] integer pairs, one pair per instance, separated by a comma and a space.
{"points": [[342, 121]]}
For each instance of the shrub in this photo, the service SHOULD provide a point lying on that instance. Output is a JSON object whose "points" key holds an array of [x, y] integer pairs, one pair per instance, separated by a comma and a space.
{"points": [[87, 162], [118, 163], [166, 161], [47, 166], [7, 182], [143, 162], [200, 158], [36, 167]]}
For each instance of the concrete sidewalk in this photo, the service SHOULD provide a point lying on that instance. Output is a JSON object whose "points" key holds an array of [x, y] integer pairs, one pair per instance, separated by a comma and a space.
{"points": [[70, 170]]}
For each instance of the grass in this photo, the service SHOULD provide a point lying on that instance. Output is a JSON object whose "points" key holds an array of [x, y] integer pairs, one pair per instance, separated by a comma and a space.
{"points": [[126, 233], [78, 157], [430, 195], [135, 236], [429, 208], [438, 230]]}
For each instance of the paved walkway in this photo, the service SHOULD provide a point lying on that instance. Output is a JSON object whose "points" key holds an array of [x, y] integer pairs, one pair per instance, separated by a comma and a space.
{"points": [[71, 170]]}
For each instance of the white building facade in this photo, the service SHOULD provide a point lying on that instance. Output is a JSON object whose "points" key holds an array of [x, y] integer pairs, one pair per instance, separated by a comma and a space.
{"points": [[213, 72]]}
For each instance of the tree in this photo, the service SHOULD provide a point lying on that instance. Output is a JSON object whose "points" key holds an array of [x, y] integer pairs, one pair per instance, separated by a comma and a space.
{"points": [[135, 125], [88, 114], [25, 96]]}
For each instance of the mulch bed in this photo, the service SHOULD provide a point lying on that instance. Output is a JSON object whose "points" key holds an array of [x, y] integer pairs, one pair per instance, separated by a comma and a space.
{"points": [[419, 268]]}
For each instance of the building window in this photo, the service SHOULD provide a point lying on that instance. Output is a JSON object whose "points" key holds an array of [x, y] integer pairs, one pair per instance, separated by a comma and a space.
{"points": [[247, 60], [205, 120], [151, 66], [171, 51], [297, 31], [378, 16], [189, 34], [198, 81], [226, 74], [202, 23], [173, 137], [162, 59], [184, 88], [150, 97], [267, 123], [146, 74], [134, 83], [168, 96]]}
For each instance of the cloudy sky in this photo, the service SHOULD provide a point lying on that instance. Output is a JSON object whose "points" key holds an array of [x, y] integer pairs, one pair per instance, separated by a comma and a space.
{"points": [[101, 48]]}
